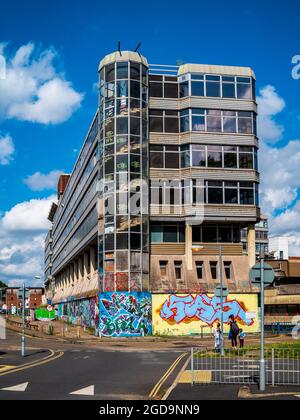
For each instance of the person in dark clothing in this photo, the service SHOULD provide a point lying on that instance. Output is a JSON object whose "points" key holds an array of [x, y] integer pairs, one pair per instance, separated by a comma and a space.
{"points": [[234, 332]]}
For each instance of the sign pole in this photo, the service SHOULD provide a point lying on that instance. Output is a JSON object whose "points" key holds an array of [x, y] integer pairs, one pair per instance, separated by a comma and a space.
{"points": [[262, 379], [222, 303], [23, 322]]}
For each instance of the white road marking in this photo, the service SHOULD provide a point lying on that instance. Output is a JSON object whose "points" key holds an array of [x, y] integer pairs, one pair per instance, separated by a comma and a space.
{"points": [[88, 391], [17, 388]]}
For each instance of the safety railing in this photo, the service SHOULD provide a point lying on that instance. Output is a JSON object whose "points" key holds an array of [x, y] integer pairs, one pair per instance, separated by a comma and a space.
{"points": [[242, 366]]}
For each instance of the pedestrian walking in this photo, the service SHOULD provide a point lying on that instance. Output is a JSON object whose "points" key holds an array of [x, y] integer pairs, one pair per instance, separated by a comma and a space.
{"points": [[218, 338], [234, 332], [242, 337]]}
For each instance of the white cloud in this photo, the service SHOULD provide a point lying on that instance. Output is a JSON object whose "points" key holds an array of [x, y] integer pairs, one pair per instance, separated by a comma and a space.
{"points": [[270, 104], [41, 182], [22, 234], [7, 150], [279, 167], [33, 90]]}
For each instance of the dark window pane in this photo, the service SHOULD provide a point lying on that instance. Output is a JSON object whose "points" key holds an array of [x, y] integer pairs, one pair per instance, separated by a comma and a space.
{"points": [[228, 90], [197, 88], [156, 125], [135, 241], [247, 197], [231, 196], [109, 242], [135, 89], [122, 70], [156, 90], [171, 90], [122, 163], [184, 90], [196, 234], [214, 157], [122, 241], [209, 234], [122, 125], [215, 195], [170, 234], [199, 158], [172, 160], [135, 72], [245, 125], [171, 125], [246, 160], [184, 124], [213, 89], [110, 73], [230, 160], [225, 234], [135, 126]]}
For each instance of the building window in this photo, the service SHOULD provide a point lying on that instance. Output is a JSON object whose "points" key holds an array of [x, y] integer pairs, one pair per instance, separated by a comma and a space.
{"points": [[216, 121], [199, 269], [216, 86], [228, 269], [213, 269], [163, 268], [178, 270], [163, 121], [163, 86]]}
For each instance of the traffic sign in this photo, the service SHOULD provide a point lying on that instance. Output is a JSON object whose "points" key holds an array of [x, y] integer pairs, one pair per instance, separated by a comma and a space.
{"points": [[49, 308], [219, 292], [255, 275]]}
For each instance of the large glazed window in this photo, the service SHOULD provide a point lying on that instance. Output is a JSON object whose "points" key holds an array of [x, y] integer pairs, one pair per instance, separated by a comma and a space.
{"points": [[124, 231], [215, 86]]}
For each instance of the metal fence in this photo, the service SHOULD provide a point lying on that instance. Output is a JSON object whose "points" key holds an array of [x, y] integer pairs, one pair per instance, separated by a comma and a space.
{"points": [[242, 366]]}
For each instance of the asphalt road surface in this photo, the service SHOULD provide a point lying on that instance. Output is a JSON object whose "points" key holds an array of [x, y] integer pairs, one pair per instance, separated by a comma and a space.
{"points": [[97, 374]]}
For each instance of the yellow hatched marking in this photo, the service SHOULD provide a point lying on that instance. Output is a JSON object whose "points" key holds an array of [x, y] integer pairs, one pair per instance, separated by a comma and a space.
{"points": [[200, 376], [5, 368]]}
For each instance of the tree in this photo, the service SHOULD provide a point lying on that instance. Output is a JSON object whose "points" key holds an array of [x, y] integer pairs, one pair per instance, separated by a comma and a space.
{"points": [[2, 285]]}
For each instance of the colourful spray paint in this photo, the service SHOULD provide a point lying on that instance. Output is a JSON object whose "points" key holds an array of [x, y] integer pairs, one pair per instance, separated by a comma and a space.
{"points": [[186, 314], [80, 312], [125, 314]]}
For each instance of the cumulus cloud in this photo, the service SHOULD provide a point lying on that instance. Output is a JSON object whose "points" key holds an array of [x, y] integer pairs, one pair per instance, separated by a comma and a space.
{"points": [[279, 167], [41, 182], [270, 104], [22, 235], [33, 90], [7, 150]]}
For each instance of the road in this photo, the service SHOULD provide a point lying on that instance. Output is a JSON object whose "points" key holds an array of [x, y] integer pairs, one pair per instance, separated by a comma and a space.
{"points": [[103, 374]]}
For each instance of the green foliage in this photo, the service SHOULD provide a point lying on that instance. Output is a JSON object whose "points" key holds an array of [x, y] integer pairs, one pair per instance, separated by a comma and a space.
{"points": [[2, 285]]}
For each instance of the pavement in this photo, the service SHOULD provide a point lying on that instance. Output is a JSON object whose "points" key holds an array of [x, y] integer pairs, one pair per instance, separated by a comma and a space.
{"points": [[187, 392]]}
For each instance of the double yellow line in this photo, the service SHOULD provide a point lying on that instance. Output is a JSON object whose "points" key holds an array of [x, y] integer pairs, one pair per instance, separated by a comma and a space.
{"points": [[171, 369], [30, 365]]}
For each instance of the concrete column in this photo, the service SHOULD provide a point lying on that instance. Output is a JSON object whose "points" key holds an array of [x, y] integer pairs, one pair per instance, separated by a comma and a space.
{"points": [[72, 275], [93, 267], [85, 265], [75, 268], [188, 246], [251, 245], [80, 269]]}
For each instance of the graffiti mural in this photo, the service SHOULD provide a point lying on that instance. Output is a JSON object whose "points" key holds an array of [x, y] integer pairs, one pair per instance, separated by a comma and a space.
{"points": [[80, 312], [125, 314], [187, 314]]}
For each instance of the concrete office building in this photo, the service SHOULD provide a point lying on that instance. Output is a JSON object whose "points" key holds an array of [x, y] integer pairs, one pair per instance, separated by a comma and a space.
{"points": [[279, 247], [261, 236], [168, 173]]}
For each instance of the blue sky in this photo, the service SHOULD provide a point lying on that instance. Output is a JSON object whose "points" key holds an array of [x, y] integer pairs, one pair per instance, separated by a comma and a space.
{"points": [[260, 34]]}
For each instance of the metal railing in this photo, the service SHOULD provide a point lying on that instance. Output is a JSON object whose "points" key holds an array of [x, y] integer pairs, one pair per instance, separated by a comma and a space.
{"points": [[242, 366]]}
